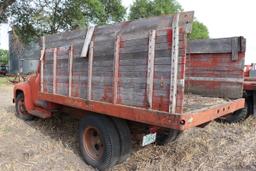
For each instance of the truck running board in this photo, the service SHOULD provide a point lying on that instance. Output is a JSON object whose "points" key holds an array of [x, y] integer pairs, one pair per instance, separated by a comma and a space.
{"points": [[41, 113]]}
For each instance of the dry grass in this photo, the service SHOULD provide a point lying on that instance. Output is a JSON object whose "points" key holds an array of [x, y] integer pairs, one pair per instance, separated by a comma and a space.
{"points": [[4, 80], [52, 145]]}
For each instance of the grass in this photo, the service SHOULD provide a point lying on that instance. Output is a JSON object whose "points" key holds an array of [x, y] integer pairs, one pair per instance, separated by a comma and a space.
{"points": [[4, 80]]}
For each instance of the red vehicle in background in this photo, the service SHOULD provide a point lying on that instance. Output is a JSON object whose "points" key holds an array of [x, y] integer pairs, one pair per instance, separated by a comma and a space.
{"points": [[3, 70], [250, 87]]}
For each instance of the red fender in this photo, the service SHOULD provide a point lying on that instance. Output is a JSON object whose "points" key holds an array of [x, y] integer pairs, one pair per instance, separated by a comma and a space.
{"points": [[29, 89]]}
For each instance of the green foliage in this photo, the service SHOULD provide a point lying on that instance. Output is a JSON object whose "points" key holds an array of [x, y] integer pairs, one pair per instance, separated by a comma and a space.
{"points": [[4, 5], [32, 19], [199, 31], [147, 8], [3, 56], [140, 9], [83, 12]]}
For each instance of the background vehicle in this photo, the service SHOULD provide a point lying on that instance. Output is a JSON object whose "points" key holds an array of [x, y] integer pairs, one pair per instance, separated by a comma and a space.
{"points": [[141, 73], [3, 70], [250, 87]]}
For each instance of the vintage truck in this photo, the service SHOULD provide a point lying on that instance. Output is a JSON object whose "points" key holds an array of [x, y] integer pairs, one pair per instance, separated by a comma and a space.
{"points": [[144, 73]]}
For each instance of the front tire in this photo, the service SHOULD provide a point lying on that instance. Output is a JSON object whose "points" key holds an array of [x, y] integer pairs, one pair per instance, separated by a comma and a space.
{"points": [[99, 141], [21, 111]]}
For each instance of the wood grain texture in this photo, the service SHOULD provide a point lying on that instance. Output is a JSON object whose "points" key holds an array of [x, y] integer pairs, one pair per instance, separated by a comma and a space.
{"points": [[87, 41], [89, 97], [174, 66], [70, 71], [54, 70], [125, 66], [116, 69], [150, 71], [218, 74]]}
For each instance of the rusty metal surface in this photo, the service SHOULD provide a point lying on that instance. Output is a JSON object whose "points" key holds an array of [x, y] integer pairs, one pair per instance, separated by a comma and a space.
{"points": [[157, 118], [198, 117], [153, 117]]}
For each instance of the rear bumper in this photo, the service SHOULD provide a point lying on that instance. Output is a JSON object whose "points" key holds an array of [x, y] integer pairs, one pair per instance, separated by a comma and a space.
{"points": [[205, 115]]}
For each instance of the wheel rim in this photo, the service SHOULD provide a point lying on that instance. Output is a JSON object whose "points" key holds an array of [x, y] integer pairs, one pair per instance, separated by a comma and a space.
{"points": [[93, 143], [21, 107]]}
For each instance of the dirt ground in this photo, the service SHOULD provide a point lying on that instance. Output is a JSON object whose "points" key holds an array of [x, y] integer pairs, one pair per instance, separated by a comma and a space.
{"points": [[52, 145]]}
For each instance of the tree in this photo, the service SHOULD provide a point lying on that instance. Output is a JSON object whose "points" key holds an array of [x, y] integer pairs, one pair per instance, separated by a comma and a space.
{"points": [[199, 31], [147, 8], [31, 19], [4, 4], [3, 56]]}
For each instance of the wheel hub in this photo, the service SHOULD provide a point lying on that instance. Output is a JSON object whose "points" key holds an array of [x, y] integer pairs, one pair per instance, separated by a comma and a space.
{"points": [[93, 143]]}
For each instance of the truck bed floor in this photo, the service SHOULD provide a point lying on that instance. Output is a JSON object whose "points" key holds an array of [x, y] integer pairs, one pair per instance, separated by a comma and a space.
{"points": [[194, 102]]}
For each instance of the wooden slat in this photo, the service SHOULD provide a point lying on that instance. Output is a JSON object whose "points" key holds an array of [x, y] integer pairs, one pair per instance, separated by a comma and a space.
{"points": [[150, 72], [235, 49], [89, 93], [54, 69], [223, 45], [42, 69], [174, 65], [87, 41], [116, 69], [42, 64], [70, 70]]}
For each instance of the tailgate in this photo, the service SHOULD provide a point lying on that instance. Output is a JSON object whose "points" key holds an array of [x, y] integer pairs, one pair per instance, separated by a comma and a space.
{"points": [[215, 67]]}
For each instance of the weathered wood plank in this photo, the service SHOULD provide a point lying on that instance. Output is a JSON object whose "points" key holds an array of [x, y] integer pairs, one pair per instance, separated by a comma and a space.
{"points": [[70, 71], [116, 69], [174, 66], [54, 69], [150, 71], [87, 41], [144, 48], [89, 91], [223, 45], [42, 69]]}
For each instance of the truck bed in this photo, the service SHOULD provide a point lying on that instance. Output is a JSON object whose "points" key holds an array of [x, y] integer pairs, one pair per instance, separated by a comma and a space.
{"points": [[195, 102], [141, 71]]}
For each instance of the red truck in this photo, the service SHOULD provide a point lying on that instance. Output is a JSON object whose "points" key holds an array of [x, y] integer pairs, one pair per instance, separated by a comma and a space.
{"points": [[250, 87], [142, 73]]}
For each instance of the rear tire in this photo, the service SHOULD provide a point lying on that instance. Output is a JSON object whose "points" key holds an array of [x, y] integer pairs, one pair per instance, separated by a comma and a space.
{"points": [[165, 136], [237, 116], [125, 138], [21, 111], [99, 141]]}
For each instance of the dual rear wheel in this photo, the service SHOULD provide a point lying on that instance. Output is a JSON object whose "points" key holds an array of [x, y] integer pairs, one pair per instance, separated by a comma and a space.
{"points": [[104, 141]]}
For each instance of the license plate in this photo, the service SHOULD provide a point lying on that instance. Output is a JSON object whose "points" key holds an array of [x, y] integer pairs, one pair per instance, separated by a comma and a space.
{"points": [[148, 139]]}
